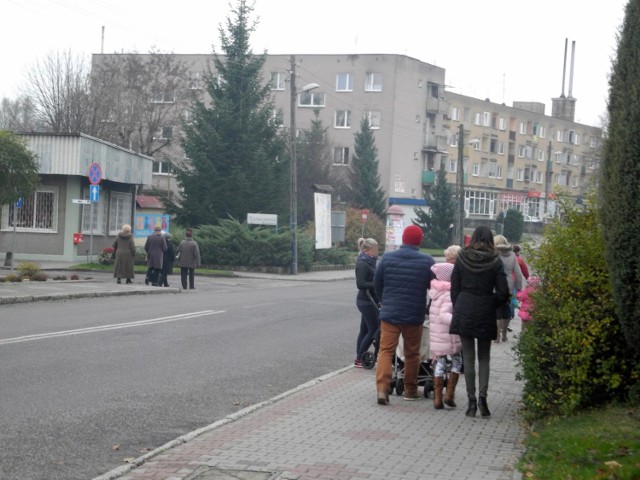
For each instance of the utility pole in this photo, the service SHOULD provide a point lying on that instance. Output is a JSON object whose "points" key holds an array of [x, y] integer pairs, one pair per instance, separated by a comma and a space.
{"points": [[293, 194], [547, 175], [460, 186]]}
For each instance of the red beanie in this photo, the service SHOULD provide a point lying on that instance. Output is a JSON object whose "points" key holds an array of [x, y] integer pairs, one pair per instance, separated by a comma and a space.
{"points": [[412, 235]]}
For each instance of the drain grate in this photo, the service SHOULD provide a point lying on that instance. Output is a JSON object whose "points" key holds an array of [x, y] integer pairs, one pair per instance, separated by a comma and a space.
{"points": [[215, 473]]}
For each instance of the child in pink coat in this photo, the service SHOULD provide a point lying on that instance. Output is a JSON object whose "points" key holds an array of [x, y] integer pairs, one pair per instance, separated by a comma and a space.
{"points": [[526, 302]]}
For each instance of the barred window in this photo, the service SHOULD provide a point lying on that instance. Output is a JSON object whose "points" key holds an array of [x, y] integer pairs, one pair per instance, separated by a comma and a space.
{"points": [[96, 223], [119, 211], [39, 212]]}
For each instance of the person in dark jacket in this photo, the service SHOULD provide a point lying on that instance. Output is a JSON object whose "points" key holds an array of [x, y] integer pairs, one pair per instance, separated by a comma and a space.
{"points": [[155, 246], [125, 252], [401, 281], [188, 259], [167, 261], [478, 287], [366, 301]]}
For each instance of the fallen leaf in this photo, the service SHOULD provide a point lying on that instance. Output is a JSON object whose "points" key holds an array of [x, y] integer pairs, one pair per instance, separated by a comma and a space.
{"points": [[115, 447], [128, 460], [612, 464]]}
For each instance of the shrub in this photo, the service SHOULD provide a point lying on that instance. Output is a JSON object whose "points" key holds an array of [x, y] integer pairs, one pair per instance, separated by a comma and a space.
{"points": [[74, 277], [334, 256], [572, 354], [60, 277], [28, 269], [12, 277], [39, 277], [373, 228], [106, 256], [510, 225]]}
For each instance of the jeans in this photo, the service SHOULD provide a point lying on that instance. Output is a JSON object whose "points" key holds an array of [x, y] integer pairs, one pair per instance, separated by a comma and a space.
{"points": [[368, 327], [389, 336], [184, 273], [484, 357]]}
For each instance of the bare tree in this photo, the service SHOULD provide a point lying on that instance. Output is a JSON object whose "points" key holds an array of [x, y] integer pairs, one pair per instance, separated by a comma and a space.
{"points": [[19, 115], [139, 99], [59, 87]]}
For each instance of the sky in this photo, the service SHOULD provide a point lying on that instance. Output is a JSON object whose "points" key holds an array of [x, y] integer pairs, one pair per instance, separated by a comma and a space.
{"points": [[504, 50]]}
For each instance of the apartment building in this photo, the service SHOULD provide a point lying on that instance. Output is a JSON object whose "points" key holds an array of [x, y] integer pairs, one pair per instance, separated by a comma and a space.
{"points": [[514, 157], [517, 157]]}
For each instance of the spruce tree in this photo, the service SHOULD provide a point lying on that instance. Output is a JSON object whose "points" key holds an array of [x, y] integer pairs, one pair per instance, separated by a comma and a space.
{"points": [[437, 223], [365, 190], [620, 178], [18, 168], [238, 155]]}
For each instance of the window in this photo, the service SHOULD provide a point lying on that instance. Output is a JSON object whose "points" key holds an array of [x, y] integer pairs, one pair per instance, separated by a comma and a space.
{"points": [[500, 148], [453, 166], [540, 155], [163, 96], [475, 169], [374, 119], [538, 177], [455, 113], [502, 123], [499, 172], [311, 99], [478, 119], [166, 133], [522, 151], [163, 168], [93, 215], [541, 134], [119, 211], [453, 141], [277, 117], [344, 82], [480, 203], [342, 119], [39, 212], [486, 119], [433, 90], [278, 80], [399, 185], [520, 174], [373, 82], [523, 128], [559, 136], [195, 81], [493, 169], [341, 156]]}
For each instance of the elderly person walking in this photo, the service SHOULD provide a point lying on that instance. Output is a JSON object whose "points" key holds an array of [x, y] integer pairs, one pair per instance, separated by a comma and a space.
{"points": [[188, 255], [155, 246], [401, 282], [515, 279], [125, 252]]}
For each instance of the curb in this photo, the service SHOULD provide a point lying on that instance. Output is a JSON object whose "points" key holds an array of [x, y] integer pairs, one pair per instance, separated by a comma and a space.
{"points": [[123, 469], [67, 296]]}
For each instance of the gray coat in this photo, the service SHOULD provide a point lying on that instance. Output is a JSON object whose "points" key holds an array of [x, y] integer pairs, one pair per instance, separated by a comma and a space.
{"points": [[511, 267], [155, 246], [188, 253]]}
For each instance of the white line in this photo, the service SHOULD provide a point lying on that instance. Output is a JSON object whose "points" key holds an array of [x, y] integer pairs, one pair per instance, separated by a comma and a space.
{"points": [[116, 326]]}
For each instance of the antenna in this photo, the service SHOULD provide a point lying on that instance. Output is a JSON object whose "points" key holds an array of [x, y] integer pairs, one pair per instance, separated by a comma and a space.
{"points": [[573, 59], [564, 66], [102, 41]]}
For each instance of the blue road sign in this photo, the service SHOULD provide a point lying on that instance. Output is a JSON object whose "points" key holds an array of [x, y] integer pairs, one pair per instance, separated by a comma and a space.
{"points": [[19, 202], [94, 193]]}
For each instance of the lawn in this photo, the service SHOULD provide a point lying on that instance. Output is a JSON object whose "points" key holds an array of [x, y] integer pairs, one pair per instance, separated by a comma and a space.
{"points": [[143, 269], [602, 443]]}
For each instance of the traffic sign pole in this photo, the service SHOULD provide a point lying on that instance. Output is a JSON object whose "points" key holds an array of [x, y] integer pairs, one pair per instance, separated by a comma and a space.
{"points": [[95, 176]]}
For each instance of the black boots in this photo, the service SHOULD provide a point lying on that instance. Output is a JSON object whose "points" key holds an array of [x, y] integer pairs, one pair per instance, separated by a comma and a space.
{"points": [[484, 408], [472, 408]]}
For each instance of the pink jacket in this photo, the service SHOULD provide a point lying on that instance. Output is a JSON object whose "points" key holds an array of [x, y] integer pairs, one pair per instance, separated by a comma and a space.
{"points": [[526, 303], [440, 313]]}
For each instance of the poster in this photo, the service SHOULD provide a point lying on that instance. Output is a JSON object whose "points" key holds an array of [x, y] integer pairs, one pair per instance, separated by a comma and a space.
{"points": [[146, 222]]}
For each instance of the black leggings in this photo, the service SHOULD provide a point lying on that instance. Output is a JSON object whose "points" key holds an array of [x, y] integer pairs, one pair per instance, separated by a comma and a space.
{"points": [[484, 357]]}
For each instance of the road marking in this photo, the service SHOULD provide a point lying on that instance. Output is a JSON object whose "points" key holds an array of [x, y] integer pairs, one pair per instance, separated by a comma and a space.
{"points": [[116, 326]]}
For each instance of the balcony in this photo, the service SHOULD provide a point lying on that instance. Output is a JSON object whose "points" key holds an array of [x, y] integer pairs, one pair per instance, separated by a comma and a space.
{"points": [[428, 177], [437, 105], [511, 158], [435, 143]]}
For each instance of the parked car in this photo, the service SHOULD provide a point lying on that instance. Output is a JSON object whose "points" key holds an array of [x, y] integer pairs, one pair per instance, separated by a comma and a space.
{"points": [[528, 218]]}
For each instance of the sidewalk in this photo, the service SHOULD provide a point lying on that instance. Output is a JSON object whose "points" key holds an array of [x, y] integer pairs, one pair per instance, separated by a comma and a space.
{"points": [[333, 429]]}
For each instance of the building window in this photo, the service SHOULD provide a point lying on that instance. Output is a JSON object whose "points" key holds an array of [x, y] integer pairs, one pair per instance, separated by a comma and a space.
{"points": [[499, 172], [523, 128], [399, 185], [373, 82], [522, 151], [541, 155], [311, 99], [480, 203], [486, 119], [374, 119], [342, 119], [493, 169], [453, 166], [162, 168], [500, 148], [502, 123], [119, 211], [559, 136], [195, 81], [520, 174], [163, 96], [478, 119], [39, 212], [453, 141], [541, 133], [165, 133], [475, 169], [455, 113], [278, 80], [344, 82], [341, 156]]}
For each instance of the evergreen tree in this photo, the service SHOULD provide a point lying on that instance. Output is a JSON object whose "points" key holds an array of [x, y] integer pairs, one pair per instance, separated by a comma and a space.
{"points": [[314, 167], [365, 190], [237, 152], [620, 181], [437, 223], [18, 168]]}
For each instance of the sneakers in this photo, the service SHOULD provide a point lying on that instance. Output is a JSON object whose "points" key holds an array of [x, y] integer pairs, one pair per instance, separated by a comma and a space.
{"points": [[358, 363], [410, 397]]}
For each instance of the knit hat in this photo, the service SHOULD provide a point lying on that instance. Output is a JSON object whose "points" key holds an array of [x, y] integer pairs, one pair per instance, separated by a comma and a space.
{"points": [[412, 235]]}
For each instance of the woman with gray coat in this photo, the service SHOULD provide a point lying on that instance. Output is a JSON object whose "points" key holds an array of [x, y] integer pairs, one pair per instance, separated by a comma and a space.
{"points": [[125, 252], [188, 255]]}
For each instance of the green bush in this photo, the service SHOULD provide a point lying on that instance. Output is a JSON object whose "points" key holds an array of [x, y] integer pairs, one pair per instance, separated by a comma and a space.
{"points": [[334, 256], [510, 225], [28, 269], [572, 354], [373, 228]]}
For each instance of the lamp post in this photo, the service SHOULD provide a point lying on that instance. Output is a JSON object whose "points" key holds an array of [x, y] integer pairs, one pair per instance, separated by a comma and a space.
{"points": [[460, 186], [293, 170]]}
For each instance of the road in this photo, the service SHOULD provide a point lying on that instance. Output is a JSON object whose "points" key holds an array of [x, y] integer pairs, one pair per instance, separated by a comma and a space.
{"points": [[86, 384]]}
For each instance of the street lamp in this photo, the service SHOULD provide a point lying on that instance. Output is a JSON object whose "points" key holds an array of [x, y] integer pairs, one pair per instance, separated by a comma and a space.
{"points": [[460, 183], [293, 170]]}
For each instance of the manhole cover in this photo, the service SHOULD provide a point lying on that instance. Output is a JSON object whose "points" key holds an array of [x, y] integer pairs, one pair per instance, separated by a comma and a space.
{"points": [[214, 473]]}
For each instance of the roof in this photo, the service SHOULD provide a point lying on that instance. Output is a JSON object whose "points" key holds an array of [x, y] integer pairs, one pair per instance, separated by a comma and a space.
{"points": [[148, 201]]}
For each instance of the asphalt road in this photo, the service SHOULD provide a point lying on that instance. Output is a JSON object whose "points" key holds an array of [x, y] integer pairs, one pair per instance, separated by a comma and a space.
{"points": [[86, 384]]}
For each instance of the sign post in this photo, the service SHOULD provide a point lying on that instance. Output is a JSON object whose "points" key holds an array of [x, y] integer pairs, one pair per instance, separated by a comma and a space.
{"points": [[13, 238], [365, 214], [95, 176]]}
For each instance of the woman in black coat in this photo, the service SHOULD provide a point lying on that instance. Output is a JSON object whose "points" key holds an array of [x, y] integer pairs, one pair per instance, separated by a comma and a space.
{"points": [[365, 268], [478, 287]]}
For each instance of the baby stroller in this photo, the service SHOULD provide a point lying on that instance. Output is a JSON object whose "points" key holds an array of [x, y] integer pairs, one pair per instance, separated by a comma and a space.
{"points": [[369, 358], [425, 369]]}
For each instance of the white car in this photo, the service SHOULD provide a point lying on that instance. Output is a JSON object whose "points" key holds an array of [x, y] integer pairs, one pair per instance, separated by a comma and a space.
{"points": [[528, 218]]}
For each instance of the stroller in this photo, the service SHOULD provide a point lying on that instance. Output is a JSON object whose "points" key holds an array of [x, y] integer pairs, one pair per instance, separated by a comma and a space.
{"points": [[425, 369], [369, 358]]}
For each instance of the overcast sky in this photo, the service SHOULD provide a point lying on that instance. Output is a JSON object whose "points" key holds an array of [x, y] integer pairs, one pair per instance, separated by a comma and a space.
{"points": [[504, 50]]}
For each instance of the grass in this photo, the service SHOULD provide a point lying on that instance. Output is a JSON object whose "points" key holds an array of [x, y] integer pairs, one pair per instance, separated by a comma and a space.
{"points": [[602, 443], [143, 269]]}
